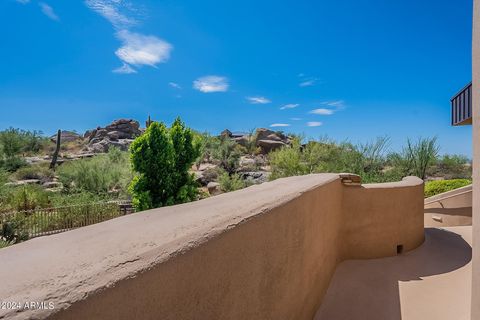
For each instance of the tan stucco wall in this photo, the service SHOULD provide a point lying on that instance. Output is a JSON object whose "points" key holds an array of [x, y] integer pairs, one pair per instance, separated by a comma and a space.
{"points": [[265, 252], [453, 208], [476, 161]]}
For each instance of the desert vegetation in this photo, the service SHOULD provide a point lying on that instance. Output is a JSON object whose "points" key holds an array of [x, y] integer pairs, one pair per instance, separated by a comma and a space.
{"points": [[169, 165]]}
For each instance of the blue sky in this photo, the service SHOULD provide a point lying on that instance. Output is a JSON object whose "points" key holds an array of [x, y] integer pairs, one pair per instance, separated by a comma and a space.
{"points": [[353, 69]]}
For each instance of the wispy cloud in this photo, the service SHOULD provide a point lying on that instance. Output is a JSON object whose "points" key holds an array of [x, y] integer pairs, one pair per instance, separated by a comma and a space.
{"points": [[23, 1], [208, 84], [314, 124], [307, 83], [118, 12], [322, 111], [174, 85], [333, 106], [48, 11], [258, 100], [334, 103], [289, 106], [139, 49], [274, 125], [125, 69]]}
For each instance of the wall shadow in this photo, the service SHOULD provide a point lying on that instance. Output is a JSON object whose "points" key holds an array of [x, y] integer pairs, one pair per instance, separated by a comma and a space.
{"points": [[368, 289]]}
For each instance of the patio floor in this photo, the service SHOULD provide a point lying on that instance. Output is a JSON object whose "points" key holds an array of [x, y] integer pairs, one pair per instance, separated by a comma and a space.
{"points": [[431, 282]]}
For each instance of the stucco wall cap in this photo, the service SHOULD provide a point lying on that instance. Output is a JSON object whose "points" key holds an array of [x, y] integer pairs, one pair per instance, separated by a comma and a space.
{"points": [[409, 181]]}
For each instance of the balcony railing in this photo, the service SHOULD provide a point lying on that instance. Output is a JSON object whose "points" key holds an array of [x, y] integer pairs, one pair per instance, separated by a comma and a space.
{"points": [[462, 107]]}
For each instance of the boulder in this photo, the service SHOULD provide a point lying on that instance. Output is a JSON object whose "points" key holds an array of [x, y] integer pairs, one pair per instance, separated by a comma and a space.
{"points": [[214, 188], [120, 133], [255, 177], [22, 182], [269, 140], [52, 185], [269, 145], [243, 140], [66, 136]]}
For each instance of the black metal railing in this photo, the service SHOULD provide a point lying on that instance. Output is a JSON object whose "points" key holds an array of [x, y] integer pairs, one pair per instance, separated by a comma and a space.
{"points": [[39, 222], [462, 106]]}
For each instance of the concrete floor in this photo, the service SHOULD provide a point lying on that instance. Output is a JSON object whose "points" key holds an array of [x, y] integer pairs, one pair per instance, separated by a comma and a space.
{"points": [[431, 282]]}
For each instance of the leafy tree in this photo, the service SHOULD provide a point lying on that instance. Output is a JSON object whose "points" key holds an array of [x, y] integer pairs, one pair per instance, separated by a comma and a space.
{"points": [[12, 142], [162, 157]]}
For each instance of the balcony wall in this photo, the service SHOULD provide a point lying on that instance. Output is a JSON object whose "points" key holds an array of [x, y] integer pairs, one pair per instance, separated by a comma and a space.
{"points": [[265, 252]]}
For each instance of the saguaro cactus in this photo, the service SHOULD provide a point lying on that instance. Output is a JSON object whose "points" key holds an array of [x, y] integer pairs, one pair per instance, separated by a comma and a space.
{"points": [[57, 150]]}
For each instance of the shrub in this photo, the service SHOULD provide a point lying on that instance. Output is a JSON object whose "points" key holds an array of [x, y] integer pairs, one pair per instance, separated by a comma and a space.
{"points": [[28, 197], [12, 164], [420, 155], [287, 161], [162, 158], [231, 182], [38, 172], [439, 186], [227, 154], [101, 174], [452, 167]]}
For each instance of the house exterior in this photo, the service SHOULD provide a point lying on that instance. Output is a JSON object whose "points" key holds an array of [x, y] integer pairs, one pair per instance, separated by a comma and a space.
{"points": [[476, 161]]}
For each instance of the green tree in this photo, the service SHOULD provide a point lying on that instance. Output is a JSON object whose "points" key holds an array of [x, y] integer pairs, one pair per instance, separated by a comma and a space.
{"points": [[162, 157]]}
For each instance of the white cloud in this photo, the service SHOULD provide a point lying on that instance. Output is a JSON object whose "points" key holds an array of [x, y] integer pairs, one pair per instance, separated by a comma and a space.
{"points": [[115, 11], [289, 106], [125, 69], [314, 124], [336, 103], [323, 111], [174, 85], [295, 119], [258, 100], [23, 1], [273, 125], [139, 49], [212, 83], [48, 11], [308, 83]]}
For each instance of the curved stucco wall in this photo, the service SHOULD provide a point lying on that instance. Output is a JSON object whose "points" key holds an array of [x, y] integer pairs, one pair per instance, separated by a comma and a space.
{"points": [[452, 208], [265, 252]]}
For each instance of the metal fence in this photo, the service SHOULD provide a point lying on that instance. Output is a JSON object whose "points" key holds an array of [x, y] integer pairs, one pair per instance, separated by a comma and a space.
{"points": [[462, 106], [40, 222]]}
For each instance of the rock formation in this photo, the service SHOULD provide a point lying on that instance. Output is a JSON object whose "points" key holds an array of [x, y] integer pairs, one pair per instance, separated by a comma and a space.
{"points": [[119, 133]]}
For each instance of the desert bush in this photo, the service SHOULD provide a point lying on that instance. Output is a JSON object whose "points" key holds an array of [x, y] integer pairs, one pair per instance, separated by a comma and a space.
{"points": [[15, 141], [227, 154], [231, 182], [162, 157], [451, 167], [420, 155], [62, 199], [3, 244], [101, 174], [439, 186], [287, 161], [40, 172], [27, 197]]}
